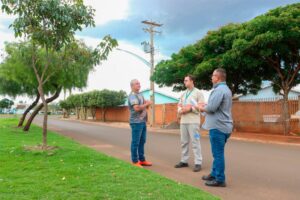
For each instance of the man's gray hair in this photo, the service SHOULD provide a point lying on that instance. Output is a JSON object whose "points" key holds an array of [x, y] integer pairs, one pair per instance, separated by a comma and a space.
{"points": [[133, 81], [222, 73]]}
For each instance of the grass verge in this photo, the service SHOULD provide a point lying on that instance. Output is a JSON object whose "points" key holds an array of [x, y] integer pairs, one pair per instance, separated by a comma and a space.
{"points": [[73, 171]]}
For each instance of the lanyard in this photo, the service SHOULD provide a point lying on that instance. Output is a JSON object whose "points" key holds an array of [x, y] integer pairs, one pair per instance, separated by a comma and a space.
{"points": [[187, 94]]}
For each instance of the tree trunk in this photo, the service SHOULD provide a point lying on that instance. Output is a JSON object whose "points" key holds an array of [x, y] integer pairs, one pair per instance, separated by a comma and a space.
{"points": [[77, 112], [93, 111], [45, 124], [38, 108], [21, 121], [84, 113], [66, 113], [285, 114]]}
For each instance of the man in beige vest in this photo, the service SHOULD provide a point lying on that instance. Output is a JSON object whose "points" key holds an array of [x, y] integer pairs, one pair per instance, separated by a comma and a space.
{"points": [[190, 123]]}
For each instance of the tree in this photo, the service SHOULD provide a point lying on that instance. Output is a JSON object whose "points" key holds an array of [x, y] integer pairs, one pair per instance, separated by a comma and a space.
{"points": [[265, 48], [54, 108], [217, 51], [13, 89], [66, 106], [274, 39], [40, 107], [49, 24], [171, 72], [6, 103], [95, 99], [76, 61], [107, 99], [200, 59], [15, 79]]}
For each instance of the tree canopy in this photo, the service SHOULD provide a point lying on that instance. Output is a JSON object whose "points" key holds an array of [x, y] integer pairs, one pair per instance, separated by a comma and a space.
{"points": [[244, 50], [95, 99], [264, 48]]}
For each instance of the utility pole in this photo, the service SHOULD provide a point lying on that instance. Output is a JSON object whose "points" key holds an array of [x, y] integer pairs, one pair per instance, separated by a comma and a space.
{"points": [[151, 30]]}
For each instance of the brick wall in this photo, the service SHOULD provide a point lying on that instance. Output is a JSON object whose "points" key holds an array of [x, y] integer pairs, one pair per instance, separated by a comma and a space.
{"points": [[260, 117]]}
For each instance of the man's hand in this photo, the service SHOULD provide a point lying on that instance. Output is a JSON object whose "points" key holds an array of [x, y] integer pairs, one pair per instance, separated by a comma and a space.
{"points": [[139, 108], [201, 107], [186, 109], [148, 103]]}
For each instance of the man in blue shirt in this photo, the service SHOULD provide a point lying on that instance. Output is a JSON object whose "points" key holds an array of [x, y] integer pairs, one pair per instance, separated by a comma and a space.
{"points": [[138, 119], [219, 122]]}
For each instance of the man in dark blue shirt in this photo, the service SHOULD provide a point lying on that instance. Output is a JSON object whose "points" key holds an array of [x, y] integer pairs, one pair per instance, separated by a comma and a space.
{"points": [[138, 119]]}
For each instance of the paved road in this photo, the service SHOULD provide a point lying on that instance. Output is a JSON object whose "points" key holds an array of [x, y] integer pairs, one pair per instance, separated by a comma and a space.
{"points": [[254, 170]]}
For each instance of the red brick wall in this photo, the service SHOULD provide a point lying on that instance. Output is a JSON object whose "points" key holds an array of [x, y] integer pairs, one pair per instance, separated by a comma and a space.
{"points": [[247, 116], [164, 114], [119, 114]]}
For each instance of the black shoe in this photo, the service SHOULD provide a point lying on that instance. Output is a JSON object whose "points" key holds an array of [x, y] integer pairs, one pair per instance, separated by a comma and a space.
{"points": [[181, 164], [208, 178], [215, 183], [197, 168]]}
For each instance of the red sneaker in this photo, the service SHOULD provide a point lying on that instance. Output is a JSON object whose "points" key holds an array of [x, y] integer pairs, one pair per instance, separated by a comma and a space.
{"points": [[137, 164], [145, 163]]}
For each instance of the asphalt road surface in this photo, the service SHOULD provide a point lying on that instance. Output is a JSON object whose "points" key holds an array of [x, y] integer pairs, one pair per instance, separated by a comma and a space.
{"points": [[254, 170]]}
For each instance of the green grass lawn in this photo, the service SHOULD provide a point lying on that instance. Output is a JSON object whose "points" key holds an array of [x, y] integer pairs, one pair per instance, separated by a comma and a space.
{"points": [[76, 172]]}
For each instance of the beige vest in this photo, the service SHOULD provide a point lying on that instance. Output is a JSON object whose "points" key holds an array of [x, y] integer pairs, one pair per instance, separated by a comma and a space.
{"points": [[191, 98]]}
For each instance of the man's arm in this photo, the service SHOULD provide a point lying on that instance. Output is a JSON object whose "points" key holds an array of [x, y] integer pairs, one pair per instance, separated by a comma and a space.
{"points": [[200, 99], [214, 102], [138, 108], [183, 109], [135, 103], [179, 105], [186, 109]]}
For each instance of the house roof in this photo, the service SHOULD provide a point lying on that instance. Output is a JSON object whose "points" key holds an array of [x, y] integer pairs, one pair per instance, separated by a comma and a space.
{"points": [[161, 93], [268, 84], [20, 106]]}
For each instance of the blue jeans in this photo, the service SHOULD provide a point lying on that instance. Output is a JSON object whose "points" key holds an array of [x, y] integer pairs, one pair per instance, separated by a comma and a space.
{"points": [[138, 141], [218, 140]]}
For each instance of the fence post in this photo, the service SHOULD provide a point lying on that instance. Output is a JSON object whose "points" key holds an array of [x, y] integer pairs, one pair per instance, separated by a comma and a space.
{"points": [[298, 110], [257, 113], [163, 114]]}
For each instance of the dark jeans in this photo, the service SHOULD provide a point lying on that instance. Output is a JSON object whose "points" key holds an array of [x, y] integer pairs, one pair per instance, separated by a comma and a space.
{"points": [[218, 140], [138, 141]]}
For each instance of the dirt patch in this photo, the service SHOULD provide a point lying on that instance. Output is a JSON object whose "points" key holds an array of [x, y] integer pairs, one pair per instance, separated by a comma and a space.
{"points": [[40, 148]]}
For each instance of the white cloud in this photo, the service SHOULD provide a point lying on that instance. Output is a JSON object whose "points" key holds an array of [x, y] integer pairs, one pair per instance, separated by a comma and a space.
{"points": [[6, 36], [2, 27], [115, 73], [121, 67], [4, 16], [108, 10]]}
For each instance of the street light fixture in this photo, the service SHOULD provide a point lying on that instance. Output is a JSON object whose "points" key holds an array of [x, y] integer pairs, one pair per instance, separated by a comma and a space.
{"points": [[137, 56]]}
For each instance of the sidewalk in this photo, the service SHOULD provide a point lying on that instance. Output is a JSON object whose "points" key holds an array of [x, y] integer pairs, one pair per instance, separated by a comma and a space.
{"points": [[244, 136]]}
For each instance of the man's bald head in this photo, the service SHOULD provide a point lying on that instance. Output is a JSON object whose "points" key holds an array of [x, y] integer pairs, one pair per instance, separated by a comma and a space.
{"points": [[222, 74], [219, 75], [135, 85]]}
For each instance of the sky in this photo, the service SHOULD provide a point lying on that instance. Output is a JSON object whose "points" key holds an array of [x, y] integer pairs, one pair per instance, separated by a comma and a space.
{"points": [[184, 22]]}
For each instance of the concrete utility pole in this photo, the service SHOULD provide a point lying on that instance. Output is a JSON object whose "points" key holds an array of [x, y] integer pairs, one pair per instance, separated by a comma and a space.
{"points": [[151, 29]]}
